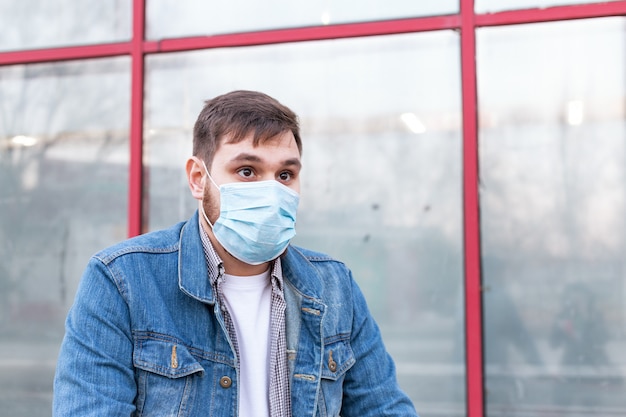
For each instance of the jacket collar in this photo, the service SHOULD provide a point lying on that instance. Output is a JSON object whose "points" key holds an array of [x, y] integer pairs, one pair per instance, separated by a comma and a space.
{"points": [[192, 268], [301, 274]]}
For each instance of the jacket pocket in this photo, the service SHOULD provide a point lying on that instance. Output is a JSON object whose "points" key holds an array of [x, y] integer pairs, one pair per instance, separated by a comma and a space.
{"points": [[163, 355], [337, 360], [167, 376]]}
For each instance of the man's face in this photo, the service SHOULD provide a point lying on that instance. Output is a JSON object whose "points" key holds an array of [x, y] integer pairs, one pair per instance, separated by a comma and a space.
{"points": [[276, 159]]}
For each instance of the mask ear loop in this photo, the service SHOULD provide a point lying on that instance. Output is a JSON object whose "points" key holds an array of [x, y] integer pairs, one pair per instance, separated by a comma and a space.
{"points": [[202, 205], [209, 175]]}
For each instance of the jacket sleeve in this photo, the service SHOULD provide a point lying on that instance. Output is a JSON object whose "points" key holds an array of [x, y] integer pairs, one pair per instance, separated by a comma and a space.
{"points": [[94, 375], [370, 386]]}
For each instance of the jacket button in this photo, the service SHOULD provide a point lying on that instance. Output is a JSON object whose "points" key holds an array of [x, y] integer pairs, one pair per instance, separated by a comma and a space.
{"points": [[226, 382], [332, 365]]}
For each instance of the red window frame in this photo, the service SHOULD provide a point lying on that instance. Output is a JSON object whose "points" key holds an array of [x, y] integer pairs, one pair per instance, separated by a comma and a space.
{"points": [[466, 21]]}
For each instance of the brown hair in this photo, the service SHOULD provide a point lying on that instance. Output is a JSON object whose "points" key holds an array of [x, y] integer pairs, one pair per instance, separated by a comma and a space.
{"points": [[233, 116]]}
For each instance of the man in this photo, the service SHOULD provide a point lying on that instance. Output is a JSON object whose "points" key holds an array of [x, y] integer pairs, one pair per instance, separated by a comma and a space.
{"points": [[219, 315]]}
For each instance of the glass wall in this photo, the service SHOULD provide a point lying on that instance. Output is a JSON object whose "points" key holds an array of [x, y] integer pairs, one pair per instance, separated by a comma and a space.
{"points": [[177, 18], [63, 176], [553, 204], [32, 24], [381, 184]]}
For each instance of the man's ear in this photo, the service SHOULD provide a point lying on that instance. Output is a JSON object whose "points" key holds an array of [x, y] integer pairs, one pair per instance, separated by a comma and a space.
{"points": [[195, 177]]}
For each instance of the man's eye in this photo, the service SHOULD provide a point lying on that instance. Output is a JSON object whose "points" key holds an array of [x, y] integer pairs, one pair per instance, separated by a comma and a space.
{"points": [[246, 172], [285, 176]]}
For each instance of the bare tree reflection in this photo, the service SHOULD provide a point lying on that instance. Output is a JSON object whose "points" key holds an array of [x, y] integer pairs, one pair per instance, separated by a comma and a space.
{"points": [[580, 332], [509, 345]]}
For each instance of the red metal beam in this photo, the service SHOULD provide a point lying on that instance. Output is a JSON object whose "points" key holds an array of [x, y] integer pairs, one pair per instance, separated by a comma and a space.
{"points": [[306, 34], [421, 24], [64, 54], [471, 224], [550, 14], [135, 181]]}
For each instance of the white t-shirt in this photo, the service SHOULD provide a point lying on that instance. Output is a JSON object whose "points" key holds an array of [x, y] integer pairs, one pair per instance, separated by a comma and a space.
{"points": [[248, 300]]}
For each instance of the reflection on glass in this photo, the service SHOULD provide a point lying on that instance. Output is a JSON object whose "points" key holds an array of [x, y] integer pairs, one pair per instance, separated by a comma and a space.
{"points": [[553, 204], [491, 6], [381, 179], [33, 24], [178, 18], [63, 176]]}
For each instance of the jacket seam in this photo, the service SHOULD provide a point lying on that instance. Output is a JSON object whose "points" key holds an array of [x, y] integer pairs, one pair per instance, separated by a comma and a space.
{"points": [[116, 280], [340, 337], [107, 258]]}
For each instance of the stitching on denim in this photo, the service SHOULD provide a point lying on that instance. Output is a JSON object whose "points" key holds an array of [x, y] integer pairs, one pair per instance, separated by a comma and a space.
{"points": [[107, 258], [339, 337]]}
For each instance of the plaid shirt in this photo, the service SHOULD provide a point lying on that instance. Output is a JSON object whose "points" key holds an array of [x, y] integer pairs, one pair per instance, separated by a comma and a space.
{"points": [[279, 392]]}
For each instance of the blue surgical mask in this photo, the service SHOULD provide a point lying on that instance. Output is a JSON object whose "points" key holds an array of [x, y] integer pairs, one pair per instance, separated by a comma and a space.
{"points": [[257, 219]]}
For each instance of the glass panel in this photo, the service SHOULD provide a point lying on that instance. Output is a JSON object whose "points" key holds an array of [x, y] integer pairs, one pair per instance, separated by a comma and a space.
{"points": [[381, 185], [32, 24], [63, 176], [178, 18], [491, 6], [553, 204]]}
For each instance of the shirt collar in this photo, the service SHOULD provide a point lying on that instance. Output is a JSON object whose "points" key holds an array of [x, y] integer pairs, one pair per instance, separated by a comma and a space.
{"points": [[215, 265]]}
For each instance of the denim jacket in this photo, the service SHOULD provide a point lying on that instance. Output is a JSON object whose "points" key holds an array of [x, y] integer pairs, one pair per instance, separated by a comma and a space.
{"points": [[146, 337]]}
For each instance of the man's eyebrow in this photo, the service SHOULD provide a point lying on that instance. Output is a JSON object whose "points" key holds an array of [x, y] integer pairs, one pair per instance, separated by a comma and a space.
{"points": [[293, 162], [248, 157]]}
